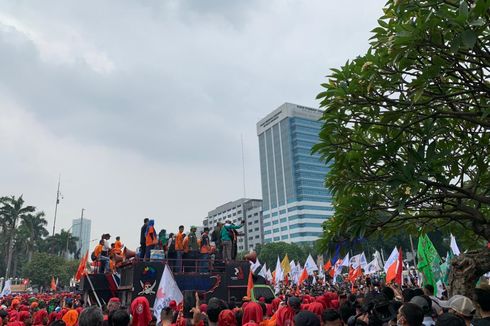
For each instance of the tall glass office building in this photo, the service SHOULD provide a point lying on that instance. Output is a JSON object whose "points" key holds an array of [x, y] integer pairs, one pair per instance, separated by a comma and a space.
{"points": [[81, 229], [295, 200]]}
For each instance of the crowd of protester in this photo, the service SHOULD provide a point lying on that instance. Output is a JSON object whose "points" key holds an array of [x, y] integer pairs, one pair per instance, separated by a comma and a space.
{"points": [[334, 306], [184, 252]]}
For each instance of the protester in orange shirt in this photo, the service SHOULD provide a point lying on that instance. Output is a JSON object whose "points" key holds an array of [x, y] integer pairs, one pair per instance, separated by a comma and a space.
{"points": [[179, 248], [205, 249], [96, 253], [118, 246], [151, 238]]}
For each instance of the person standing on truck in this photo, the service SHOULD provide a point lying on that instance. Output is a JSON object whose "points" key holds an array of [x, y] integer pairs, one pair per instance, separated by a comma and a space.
{"points": [[205, 249], [216, 237], [191, 249], [143, 238], [179, 248], [227, 236], [151, 238]]}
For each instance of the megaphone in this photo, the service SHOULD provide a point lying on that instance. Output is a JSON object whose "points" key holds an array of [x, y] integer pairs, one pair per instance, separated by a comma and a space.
{"points": [[128, 253]]}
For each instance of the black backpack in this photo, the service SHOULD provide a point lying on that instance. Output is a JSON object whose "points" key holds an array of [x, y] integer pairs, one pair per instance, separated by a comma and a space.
{"points": [[93, 256], [231, 234]]}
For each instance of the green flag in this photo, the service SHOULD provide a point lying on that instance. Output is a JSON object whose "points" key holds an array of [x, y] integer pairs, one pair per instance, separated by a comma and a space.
{"points": [[446, 267], [429, 261]]}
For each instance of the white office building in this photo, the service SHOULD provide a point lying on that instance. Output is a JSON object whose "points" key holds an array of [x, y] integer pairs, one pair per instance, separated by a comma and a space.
{"points": [[243, 209]]}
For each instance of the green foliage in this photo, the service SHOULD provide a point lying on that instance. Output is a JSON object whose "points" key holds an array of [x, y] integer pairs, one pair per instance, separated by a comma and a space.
{"points": [[44, 266], [23, 232], [406, 125], [269, 252]]}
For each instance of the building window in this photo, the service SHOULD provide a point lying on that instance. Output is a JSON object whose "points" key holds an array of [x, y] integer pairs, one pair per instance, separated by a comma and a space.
{"points": [[256, 229], [284, 237], [267, 224], [284, 228], [256, 214], [256, 222], [250, 238], [257, 236], [250, 223]]}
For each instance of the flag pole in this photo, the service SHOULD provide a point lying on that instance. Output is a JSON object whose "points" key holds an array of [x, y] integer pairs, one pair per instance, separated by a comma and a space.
{"points": [[413, 252], [57, 202]]}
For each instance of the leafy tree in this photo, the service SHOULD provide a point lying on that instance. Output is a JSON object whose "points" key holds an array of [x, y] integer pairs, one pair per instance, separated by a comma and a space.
{"points": [[270, 251], [44, 266], [32, 230], [407, 129], [11, 211], [62, 243]]}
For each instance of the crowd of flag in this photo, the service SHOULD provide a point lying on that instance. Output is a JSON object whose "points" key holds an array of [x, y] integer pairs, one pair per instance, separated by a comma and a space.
{"points": [[432, 270]]}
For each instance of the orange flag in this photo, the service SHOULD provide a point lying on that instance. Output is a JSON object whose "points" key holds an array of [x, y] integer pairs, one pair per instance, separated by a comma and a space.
{"points": [[399, 268], [53, 284], [354, 273], [250, 284], [81, 267], [327, 266], [303, 277]]}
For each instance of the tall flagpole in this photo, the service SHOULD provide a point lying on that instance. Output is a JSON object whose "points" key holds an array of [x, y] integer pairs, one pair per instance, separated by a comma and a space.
{"points": [[57, 202]]}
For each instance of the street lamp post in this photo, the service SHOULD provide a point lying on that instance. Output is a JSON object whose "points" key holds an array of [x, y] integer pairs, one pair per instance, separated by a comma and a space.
{"points": [[81, 227]]}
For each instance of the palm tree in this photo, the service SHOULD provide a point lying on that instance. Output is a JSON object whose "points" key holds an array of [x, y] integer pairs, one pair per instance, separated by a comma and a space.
{"points": [[11, 211], [33, 230], [62, 243]]}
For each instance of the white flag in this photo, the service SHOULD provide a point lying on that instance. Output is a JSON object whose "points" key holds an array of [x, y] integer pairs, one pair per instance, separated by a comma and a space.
{"points": [[454, 246], [269, 276], [263, 270], [372, 267], [279, 272], [363, 260], [279, 275], [377, 256], [345, 261], [167, 291], [355, 261], [310, 265], [391, 260], [6, 288], [254, 266]]}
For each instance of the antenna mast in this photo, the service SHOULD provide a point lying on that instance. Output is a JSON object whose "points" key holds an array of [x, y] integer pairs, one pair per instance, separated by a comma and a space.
{"points": [[57, 202]]}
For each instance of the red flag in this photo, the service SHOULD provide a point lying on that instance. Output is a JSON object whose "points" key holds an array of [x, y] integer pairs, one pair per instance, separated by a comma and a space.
{"points": [[399, 270], [327, 266], [354, 274], [303, 277], [81, 267], [351, 274], [250, 284], [53, 284]]}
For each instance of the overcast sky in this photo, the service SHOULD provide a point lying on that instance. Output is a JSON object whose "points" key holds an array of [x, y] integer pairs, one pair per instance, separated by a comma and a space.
{"points": [[140, 105]]}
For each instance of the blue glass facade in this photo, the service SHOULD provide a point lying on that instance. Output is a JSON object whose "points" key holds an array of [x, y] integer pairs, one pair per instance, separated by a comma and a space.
{"points": [[295, 201]]}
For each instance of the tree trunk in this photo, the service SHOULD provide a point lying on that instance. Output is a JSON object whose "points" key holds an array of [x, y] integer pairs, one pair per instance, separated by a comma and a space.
{"points": [[9, 257], [14, 269], [465, 271]]}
